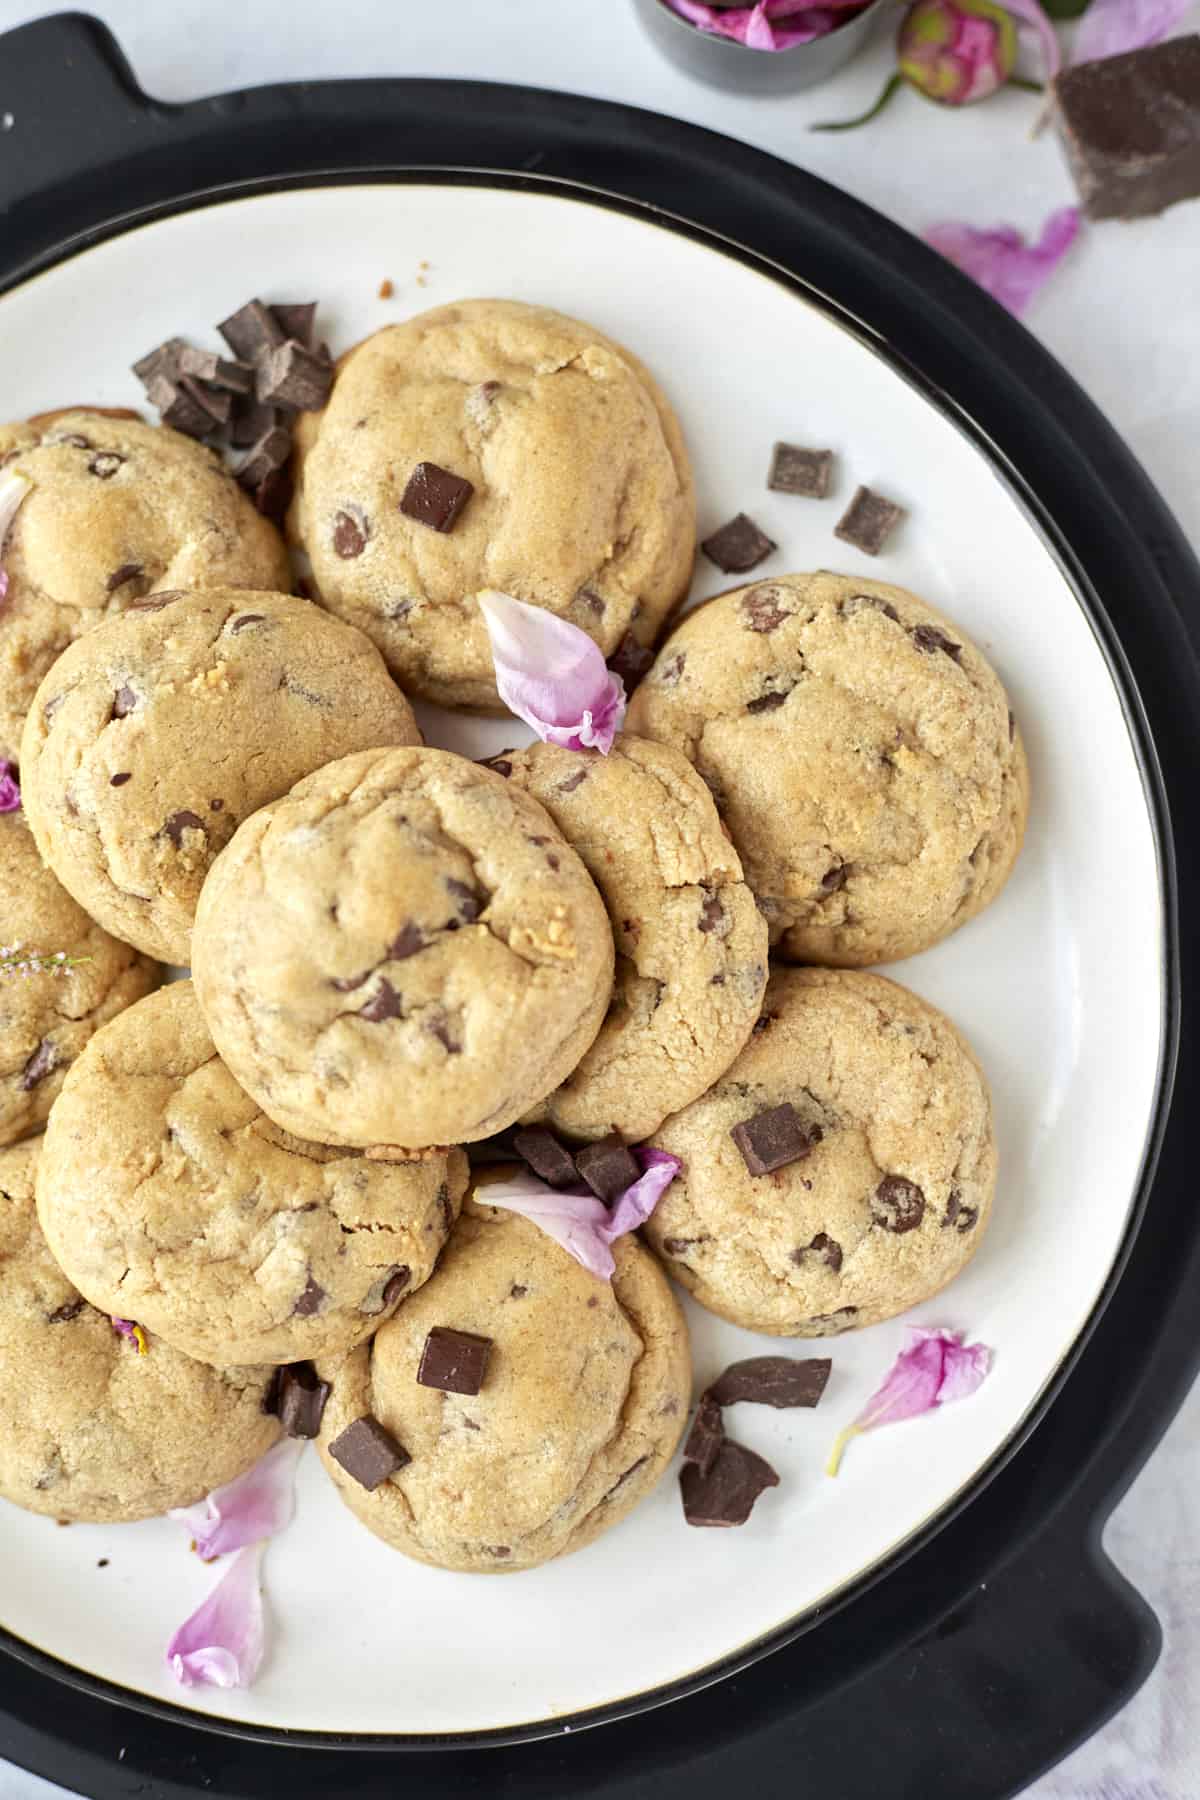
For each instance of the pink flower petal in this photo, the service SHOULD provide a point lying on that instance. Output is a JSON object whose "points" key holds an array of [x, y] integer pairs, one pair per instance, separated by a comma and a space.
{"points": [[222, 1644], [1028, 12], [257, 1505], [552, 675], [583, 1225], [1001, 261], [635, 1205], [934, 1367], [1110, 27], [10, 792], [752, 25]]}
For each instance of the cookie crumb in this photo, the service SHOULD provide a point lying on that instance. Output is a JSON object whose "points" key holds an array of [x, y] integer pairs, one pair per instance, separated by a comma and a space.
{"points": [[386, 289]]}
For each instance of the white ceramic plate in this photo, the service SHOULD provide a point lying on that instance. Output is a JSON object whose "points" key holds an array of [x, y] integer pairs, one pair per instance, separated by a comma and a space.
{"points": [[1058, 985]]}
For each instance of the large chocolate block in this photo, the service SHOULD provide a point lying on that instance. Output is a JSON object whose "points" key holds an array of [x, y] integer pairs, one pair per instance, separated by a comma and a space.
{"points": [[1130, 126]]}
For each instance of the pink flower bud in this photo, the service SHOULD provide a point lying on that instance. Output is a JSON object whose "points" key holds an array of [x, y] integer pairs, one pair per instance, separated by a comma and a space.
{"points": [[956, 51]]}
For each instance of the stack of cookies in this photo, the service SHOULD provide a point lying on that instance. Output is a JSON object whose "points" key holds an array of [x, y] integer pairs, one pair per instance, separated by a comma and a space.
{"points": [[405, 963]]}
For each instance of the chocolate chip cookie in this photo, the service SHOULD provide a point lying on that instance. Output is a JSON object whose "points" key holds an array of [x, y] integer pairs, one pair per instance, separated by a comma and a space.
{"points": [[404, 950], [491, 444], [582, 1392], [117, 508], [841, 1171], [860, 750], [46, 1019], [167, 1197], [154, 736], [90, 1429], [691, 944]]}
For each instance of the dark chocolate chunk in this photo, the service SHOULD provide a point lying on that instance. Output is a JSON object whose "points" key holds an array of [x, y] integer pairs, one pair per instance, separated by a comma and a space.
{"points": [[296, 319], [774, 1137], [251, 421], [868, 521], [385, 1003], [772, 1381], [738, 546], [178, 823], [517, 1292], [294, 378], [713, 916], [608, 1168], [856, 603], [725, 1493], [164, 360], [214, 401], [672, 670], [105, 464], [120, 778], [216, 805], [62, 1315], [435, 496], [273, 495], [625, 1475], [897, 1205], [407, 941], [630, 660], [299, 1399], [763, 1021], [127, 572], [271, 452], [795, 470], [1130, 126], [178, 408], [962, 1218], [499, 765], [827, 1248], [834, 878], [125, 701], [350, 533], [395, 1285], [43, 1062], [929, 639], [206, 367], [466, 900], [761, 610], [310, 1300], [243, 622], [706, 1436], [251, 331], [368, 1453], [440, 1028], [836, 1321], [156, 602], [546, 1156], [766, 702], [455, 1361]]}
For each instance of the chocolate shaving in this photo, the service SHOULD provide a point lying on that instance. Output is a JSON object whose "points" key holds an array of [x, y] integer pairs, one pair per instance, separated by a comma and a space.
{"points": [[725, 1493], [779, 1381], [706, 1436]]}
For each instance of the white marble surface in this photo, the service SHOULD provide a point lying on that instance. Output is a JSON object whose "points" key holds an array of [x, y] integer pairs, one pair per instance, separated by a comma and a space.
{"points": [[1116, 315]]}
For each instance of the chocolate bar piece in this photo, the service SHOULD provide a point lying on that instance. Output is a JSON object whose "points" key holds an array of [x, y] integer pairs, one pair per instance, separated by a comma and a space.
{"points": [[293, 377], [454, 1361], [546, 1156], [608, 1168], [868, 521], [738, 545], [771, 1139], [795, 470], [369, 1453], [1130, 126]]}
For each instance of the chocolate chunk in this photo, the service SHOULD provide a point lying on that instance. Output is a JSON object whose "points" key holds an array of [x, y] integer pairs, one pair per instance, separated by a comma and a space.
{"points": [[164, 361], [713, 917], [206, 367], [706, 1436], [455, 1361], [127, 572], [1130, 126], [572, 782], [105, 464], [251, 421], [897, 1205], [120, 778], [368, 1453], [156, 602], [836, 1321], [299, 1400], [178, 823], [608, 1168], [856, 603], [499, 765], [395, 1285], [310, 1300], [738, 546], [62, 1315], [270, 453], [252, 330], [593, 601], [296, 319], [407, 941], [466, 899], [214, 401], [766, 702], [672, 670], [774, 1137], [216, 805], [868, 521], [929, 639], [725, 1493], [795, 470], [630, 660], [243, 622], [435, 497], [834, 878], [350, 533], [962, 1218], [827, 1248], [179, 408], [385, 1003], [546, 1156], [772, 1381], [75, 439], [43, 1062], [440, 1028], [761, 610], [273, 495], [763, 1021], [294, 378], [125, 701]]}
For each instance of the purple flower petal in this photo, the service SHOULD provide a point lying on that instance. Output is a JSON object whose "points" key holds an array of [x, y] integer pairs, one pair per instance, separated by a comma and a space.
{"points": [[583, 1225], [752, 25], [221, 1645], [934, 1367], [10, 792], [1029, 12], [1110, 27], [133, 1332], [257, 1505], [1001, 261], [552, 675]]}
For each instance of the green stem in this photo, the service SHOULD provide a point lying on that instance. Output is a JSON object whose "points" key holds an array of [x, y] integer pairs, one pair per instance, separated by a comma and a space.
{"points": [[872, 112], [1026, 87], [839, 1448]]}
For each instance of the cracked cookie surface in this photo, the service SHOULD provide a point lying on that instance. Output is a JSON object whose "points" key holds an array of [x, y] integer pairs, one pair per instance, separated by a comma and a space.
{"points": [[887, 1204], [90, 1430], [583, 500], [117, 509], [153, 737], [46, 1020], [168, 1198], [691, 944], [585, 1396], [403, 950], [861, 752]]}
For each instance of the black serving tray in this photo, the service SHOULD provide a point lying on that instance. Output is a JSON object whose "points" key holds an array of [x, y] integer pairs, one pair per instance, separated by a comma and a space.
{"points": [[1007, 1636]]}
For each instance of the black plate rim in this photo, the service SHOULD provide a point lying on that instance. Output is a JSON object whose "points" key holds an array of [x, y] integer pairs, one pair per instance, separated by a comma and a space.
{"points": [[1142, 741]]}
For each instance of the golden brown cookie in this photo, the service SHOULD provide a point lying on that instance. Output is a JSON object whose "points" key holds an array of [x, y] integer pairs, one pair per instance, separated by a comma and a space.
{"points": [[117, 509], [860, 750], [153, 737], [582, 495], [889, 1172]]}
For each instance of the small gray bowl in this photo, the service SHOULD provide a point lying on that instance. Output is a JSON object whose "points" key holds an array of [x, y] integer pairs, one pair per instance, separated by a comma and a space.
{"points": [[724, 63]]}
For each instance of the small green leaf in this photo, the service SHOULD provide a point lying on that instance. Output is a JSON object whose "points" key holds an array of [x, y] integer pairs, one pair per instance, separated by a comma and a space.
{"points": [[1065, 9], [872, 112]]}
